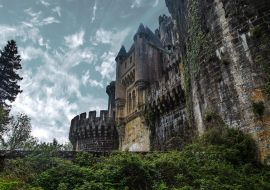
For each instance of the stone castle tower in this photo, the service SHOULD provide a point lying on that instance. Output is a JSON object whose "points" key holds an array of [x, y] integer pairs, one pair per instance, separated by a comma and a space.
{"points": [[132, 80], [149, 97]]}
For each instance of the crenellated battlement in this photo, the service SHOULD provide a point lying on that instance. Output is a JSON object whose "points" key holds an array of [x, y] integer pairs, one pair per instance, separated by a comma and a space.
{"points": [[92, 133], [81, 125], [91, 117]]}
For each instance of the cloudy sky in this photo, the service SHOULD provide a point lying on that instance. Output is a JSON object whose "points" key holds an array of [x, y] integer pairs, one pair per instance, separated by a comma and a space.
{"points": [[68, 49]]}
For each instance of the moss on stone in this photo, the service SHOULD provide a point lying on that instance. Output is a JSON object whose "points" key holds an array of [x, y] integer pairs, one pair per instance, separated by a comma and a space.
{"points": [[256, 32], [210, 115], [267, 88], [258, 108]]}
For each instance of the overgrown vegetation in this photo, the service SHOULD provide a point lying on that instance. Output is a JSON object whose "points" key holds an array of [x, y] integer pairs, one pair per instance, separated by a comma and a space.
{"points": [[222, 159], [258, 108], [199, 49], [261, 38]]}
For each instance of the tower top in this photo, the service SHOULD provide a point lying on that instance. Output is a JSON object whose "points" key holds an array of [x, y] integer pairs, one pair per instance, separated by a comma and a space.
{"points": [[121, 53], [141, 29]]}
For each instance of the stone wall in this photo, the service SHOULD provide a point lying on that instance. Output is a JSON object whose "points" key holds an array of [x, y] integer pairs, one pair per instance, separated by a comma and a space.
{"points": [[226, 64], [136, 136], [166, 110], [96, 134], [93, 133]]}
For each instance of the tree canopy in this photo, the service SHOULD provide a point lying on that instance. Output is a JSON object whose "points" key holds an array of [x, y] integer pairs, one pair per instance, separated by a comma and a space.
{"points": [[18, 132], [10, 64]]}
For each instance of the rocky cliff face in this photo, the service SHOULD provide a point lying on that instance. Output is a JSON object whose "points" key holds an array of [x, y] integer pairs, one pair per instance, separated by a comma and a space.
{"points": [[225, 49]]}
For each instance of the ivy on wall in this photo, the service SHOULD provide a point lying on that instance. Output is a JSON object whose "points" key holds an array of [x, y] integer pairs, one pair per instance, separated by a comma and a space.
{"points": [[260, 35], [196, 40]]}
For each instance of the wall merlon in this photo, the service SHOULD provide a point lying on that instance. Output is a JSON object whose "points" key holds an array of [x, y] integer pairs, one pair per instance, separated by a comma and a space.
{"points": [[92, 115], [82, 116], [103, 115]]}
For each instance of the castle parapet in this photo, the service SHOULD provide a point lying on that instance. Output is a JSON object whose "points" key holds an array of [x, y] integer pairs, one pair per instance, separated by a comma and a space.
{"points": [[93, 133]]}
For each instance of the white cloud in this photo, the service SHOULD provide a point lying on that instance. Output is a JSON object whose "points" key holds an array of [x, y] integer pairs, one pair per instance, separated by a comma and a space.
{"points": [[27, 24], [47, 91], [94, 12], [136, 4], [75, 56], [75, 40], [48, 20], [107, 67], [114, 38], [86, 80], [1, 6], [57, 10], [29, 53], [42, 43], [24, 32], [6, 31], [36, 19], [156, 3], [45, 3], [31, 13]]}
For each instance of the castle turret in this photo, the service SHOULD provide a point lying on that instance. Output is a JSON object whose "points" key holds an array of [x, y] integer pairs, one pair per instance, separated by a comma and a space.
{"points": [[141, 66], [165, 31], [97, 134], [110, 90], [119, 88]]}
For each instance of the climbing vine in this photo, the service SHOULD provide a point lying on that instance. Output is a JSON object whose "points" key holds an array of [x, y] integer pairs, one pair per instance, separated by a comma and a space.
{"points": [[195, 42], [149, 117], [262, 58]]}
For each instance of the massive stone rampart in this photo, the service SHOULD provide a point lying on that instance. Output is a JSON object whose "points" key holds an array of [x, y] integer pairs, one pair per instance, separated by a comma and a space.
{"points": [[226, 63]]}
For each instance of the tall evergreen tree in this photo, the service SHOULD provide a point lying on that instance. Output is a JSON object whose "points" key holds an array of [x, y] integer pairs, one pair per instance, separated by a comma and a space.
{"points": [[10, 63]]}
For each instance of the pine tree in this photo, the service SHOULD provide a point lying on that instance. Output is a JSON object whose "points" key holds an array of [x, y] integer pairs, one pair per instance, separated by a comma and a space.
{"points": [[9, 78]]}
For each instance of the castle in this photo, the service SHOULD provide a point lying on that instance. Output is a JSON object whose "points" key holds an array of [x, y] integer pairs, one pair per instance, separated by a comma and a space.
{"points": [[208, 63], [97, 134]]}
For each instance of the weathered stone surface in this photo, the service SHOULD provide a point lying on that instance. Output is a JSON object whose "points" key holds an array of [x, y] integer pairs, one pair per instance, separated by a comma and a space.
{"points": [[96, 134], [232, 68], [149, 83]]}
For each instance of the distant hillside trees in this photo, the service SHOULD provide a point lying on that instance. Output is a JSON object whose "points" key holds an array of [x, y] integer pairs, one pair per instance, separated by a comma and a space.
{"points": [[18, 132], [10, 64]]}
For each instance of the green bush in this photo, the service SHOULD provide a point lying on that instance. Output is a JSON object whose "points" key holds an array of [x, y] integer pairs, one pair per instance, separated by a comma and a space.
{"points": [[221, 159], [8, 184], [64, 175], [85, 159]]}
